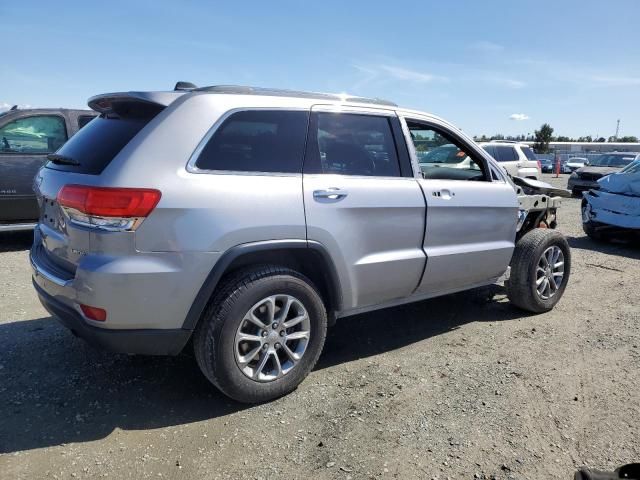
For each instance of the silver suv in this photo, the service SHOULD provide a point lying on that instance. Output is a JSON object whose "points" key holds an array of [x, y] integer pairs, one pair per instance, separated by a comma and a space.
{"points": [[249, 220]]}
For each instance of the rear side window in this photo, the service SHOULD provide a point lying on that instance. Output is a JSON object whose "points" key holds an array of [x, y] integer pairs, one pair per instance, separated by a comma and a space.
{"points": [[352, 144], [529, 153], [505, 154], [257, 141]]}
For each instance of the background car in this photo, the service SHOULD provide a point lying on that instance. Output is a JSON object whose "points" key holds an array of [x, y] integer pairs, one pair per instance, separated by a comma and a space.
{"points": [[575, 163], [586, 178], [518, 159], [26, 138], [447, 155], [546, 165]]}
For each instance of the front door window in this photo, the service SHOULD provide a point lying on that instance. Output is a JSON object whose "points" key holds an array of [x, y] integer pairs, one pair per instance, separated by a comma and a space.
{"points": [[37, 134]]}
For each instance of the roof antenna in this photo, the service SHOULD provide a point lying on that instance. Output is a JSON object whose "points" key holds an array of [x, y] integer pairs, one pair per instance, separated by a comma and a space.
{"points": [[184, 86], [15, 107]]}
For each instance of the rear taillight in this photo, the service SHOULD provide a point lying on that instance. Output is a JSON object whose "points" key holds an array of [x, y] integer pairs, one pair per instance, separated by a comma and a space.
{"points": [[539, 165], [114, 209]]}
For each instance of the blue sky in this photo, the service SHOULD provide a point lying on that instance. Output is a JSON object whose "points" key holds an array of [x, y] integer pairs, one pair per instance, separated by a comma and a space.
{"points": [[574, 64]]}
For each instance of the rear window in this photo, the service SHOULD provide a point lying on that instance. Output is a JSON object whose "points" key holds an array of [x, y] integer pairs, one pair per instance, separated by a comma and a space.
{"points": [[257, 141], [529, 153], [95, 145]]}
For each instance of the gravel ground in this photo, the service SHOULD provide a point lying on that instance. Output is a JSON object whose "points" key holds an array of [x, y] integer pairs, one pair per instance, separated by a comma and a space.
{"points": [[463, 386]]}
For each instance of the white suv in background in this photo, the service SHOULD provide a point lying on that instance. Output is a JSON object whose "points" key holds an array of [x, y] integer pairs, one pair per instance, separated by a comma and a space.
{"points": [[517, 159]]}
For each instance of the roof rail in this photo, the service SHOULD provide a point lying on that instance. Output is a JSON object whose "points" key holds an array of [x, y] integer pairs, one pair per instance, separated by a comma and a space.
{"points": [[274, 92]]}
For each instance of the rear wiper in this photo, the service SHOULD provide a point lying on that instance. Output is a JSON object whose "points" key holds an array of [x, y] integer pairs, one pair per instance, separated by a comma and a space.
{"points": [[62, 159]]}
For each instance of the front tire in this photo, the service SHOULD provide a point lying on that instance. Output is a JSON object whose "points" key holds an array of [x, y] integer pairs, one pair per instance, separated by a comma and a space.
{"points": [[261, 334], [540, 269]]}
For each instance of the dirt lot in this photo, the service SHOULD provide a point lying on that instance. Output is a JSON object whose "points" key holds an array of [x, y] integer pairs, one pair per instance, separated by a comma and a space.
{"points": [[463, 386]]}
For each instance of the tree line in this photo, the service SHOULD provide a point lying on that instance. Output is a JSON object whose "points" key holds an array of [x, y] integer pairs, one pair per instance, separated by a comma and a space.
{"points": [[544, 136]]}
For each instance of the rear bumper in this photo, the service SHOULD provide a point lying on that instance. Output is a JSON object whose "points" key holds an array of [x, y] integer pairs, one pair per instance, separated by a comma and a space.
{"points": [[139, 341]]}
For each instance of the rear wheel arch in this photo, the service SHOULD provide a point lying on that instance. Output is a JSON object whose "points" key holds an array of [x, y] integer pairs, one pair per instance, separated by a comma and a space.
{"points": [[308, 258]]}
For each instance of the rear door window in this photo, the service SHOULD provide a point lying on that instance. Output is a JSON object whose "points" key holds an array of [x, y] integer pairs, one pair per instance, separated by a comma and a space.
{"points": [[257, 141], [95, 145], [352, 144], [37, 134]]}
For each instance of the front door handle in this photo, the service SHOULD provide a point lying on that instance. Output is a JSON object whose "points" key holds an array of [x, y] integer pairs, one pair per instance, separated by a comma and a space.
{"points": [[331, 193], [444, 193]]}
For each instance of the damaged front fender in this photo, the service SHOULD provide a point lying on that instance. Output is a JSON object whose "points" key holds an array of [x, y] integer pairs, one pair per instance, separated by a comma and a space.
{"points": [[614, 209]]}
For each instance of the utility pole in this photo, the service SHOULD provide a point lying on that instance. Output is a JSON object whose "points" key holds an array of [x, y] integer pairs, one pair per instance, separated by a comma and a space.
{"points": [[617, 129]]}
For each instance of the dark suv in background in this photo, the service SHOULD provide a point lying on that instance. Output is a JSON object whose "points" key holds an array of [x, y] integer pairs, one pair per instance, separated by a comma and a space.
{"points": [[26, 138]]}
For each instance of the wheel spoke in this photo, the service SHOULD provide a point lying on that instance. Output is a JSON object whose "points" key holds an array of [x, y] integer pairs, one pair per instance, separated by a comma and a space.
{"points": [[558, 265], [251, 317], [295, 321], [297, 335], [290, 353], [244, 360], [261, 364], [544, 260], [543, 286], [549, 257], [245, 337], [271, 309], [285, 310], [540, 280], [552, 284], [278, 365]]}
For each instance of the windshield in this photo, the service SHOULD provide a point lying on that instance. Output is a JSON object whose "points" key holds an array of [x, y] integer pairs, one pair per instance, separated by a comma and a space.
{"points": [[633, 167], [612, 160]]}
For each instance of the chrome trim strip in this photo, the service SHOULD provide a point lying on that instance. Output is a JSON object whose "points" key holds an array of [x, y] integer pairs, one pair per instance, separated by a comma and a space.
{"points": [[17, 227], [38, 270]]}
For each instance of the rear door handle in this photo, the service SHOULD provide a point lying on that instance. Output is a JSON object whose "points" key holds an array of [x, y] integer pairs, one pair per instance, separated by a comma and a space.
{"points": [[331, 193]]}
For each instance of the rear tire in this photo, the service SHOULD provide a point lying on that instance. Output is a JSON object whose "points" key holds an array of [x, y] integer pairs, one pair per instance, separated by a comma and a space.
{"points": [[250, 298], [540, 269]]}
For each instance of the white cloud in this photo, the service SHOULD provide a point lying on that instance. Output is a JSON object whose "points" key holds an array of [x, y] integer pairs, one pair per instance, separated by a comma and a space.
{"points": [[506, 82], [487, 47], [6, 106], [615, 81], [519, 116], [400, 73], [391, 72]]}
